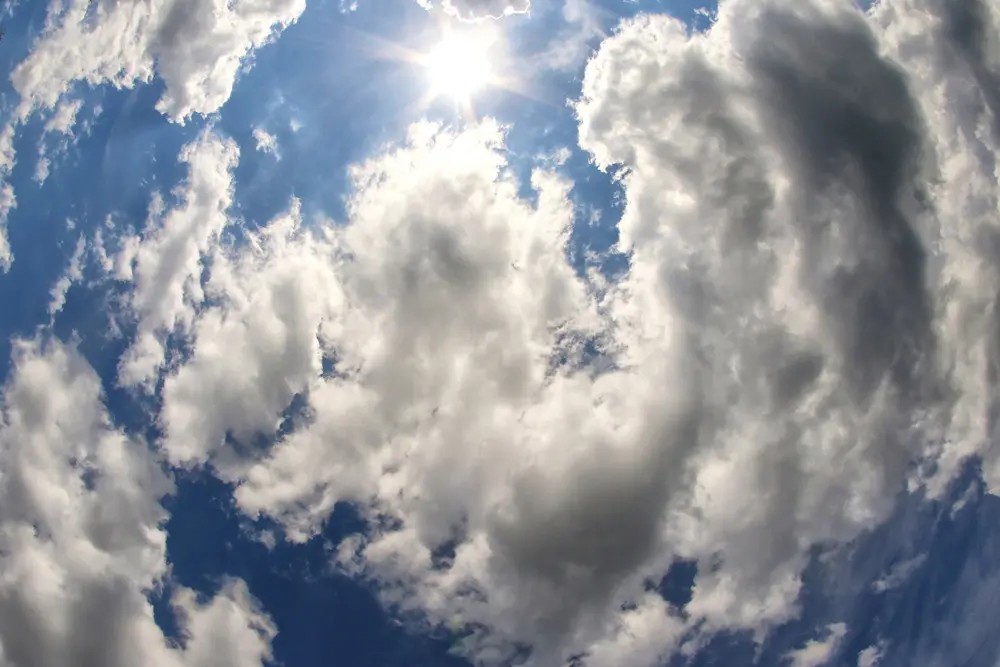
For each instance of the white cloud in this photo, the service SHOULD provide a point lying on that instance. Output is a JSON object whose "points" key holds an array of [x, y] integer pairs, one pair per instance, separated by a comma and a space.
{"points": [[570, 46], [945, 49], [61, 123], [168, 258], [64, 117], [478, 10], [7, 204], [42, 168], [81, 535], [7, 153], [73, 274], [817, 653], [195, 46], [441, 300], [808, 209], [272, 302], [811, 203], [266, 142], [871, 656], [899, 574]]}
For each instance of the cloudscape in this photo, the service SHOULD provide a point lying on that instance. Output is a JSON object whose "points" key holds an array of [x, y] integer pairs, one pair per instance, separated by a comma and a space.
{"points": [[570, 333]]}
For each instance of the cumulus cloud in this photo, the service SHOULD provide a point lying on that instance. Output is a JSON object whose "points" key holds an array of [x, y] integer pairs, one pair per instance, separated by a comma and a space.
{"points": [[81, 537], [196, 47], [478, 10], [166, 263], [266, 142], [64, 117], [809, 310], [7, 204]]}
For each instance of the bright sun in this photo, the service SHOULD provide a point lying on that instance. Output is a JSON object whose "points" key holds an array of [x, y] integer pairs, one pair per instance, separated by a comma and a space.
{"points": [[459, 65]]}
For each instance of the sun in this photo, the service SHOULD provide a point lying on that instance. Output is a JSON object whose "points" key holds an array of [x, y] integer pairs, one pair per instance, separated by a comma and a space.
{"points": [[459, 65]]}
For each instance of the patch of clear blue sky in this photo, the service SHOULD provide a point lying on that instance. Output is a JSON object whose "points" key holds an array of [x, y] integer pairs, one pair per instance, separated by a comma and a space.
{"points": [[322, 74]]}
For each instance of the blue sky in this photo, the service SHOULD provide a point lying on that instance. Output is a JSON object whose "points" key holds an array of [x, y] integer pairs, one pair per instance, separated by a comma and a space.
{"points": [[670, 343]]}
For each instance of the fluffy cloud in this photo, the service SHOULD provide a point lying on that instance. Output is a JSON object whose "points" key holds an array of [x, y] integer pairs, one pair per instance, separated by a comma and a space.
{"points": [[478, 10], [809, 310], [441, 303], [196, 47], [795, 206], [7, 204], [266, 142], [81, 541], [167, 261]]}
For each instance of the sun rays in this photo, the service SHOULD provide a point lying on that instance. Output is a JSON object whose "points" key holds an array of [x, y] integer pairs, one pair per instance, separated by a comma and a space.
{"points": [[459, 65]]}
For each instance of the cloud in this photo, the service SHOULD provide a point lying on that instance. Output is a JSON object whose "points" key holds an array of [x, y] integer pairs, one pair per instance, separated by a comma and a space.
{"points": [[899, 574], [272, 303], [569, 48], [7, 204], [60, 123], [266, 142], [871, 656], [478, 10], [167, 260], [73, 274], [64, 117], [441, 302], [808, 311], [817, 653], [81, 536], [811, 247], [197, 48]]}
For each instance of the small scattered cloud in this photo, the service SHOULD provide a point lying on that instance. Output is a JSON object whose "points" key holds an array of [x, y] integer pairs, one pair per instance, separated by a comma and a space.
{"points": [[819, 652], [872, 655], [899, 574], [266, 142], [73, 274]]}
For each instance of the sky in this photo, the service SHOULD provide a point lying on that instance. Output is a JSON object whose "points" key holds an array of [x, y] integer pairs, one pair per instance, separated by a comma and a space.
{"points": [[554, 333]]}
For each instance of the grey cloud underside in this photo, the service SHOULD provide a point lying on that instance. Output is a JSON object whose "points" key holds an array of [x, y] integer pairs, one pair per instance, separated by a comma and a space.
{"points": [[811, 212]]}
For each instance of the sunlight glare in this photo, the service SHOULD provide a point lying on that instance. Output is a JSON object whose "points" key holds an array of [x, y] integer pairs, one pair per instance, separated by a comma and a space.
{"points": [[459, 65]]}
